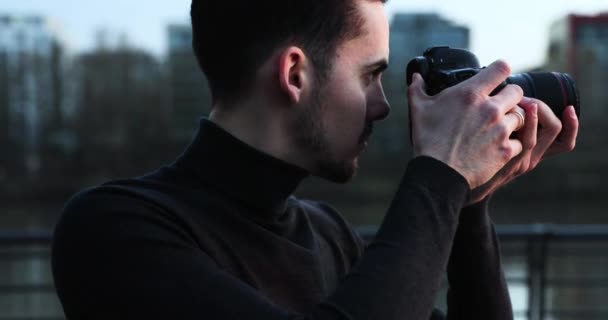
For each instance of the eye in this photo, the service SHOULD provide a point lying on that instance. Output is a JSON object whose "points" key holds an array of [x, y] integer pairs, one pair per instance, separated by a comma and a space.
{"points": [[373, 76]]}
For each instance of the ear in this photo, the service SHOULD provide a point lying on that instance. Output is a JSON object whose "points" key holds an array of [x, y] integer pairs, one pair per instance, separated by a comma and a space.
{"points": [[293, 73]]}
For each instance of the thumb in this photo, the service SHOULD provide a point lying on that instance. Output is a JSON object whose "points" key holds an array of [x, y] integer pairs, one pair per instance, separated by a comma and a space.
{"points": [[415, 94], [416, 89]]}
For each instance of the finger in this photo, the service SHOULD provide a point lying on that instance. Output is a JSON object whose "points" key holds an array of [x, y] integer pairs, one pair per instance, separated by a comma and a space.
{"points": [[416, 95], [570, 128], [489, 78], [528, 133], [508, 97], [515, 119], [549, 129], [566, 141], [516, 148]]}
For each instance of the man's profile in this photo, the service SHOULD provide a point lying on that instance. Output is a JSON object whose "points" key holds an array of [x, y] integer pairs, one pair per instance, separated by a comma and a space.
{"points": [[296, 89]]}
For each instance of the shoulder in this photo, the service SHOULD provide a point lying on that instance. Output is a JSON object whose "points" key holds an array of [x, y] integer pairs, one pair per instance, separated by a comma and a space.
{"points": [[117, 210], [116, 196], [106, 224], [156, 192]]}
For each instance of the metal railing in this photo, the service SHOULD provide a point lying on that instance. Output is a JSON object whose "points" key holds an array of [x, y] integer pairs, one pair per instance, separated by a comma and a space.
{"points": [[563, 264], [26, 286], [554, 272]]}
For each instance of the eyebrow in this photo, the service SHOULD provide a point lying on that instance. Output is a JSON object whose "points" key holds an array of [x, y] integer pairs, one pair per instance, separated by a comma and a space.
{"points": [[379, 65]]}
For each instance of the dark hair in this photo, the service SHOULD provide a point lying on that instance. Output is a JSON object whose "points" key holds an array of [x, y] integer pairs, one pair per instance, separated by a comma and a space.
{"points": [[232, 38]]}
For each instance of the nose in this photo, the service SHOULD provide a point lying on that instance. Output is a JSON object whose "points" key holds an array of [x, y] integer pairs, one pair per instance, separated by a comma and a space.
{"points": [[378, 107]]}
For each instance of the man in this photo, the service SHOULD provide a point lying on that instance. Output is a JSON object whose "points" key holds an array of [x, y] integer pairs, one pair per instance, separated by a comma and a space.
{"points": [[296, 88]]}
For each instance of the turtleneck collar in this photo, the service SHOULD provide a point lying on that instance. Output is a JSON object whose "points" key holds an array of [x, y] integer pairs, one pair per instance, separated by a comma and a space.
{"points": [[220, 161]]}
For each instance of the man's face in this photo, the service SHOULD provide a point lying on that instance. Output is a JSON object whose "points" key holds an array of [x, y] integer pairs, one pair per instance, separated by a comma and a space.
{"points": [[334, 129]]}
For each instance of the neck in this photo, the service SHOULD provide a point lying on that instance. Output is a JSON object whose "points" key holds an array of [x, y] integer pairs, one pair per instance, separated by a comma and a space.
{"points": [[260, 124], [219, 161]]}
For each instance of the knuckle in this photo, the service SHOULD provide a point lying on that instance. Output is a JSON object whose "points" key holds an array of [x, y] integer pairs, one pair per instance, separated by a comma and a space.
{"points": [[507, 153], [491, 112], [503, 67], [517, 89], [557, 128], [503, 132]]}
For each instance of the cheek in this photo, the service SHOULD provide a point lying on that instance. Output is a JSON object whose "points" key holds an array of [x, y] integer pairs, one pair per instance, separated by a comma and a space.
{"points": [[346, 120], [349, 99], [345, 112]]}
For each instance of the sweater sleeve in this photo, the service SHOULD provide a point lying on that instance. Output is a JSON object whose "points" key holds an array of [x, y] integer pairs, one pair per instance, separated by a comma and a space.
{"points": [[119, 258], [477, 287], [400, 273]]}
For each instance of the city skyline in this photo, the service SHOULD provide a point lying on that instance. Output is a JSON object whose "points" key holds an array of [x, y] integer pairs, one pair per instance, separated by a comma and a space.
{"points": [[516, 31]]}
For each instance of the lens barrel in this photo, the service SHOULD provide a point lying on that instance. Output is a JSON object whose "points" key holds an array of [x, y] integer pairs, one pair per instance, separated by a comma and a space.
{"points": [[557, 90]]}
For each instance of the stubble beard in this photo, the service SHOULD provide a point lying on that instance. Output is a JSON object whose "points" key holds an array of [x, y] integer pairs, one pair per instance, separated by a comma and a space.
{"points": [[311, 138]]}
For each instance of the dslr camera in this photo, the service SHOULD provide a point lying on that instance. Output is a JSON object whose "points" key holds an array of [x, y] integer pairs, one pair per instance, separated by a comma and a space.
{"points": [[443, 67]]}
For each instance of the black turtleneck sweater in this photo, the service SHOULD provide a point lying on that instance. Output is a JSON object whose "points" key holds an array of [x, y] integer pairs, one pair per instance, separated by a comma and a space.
{"points": [[217, 235]]}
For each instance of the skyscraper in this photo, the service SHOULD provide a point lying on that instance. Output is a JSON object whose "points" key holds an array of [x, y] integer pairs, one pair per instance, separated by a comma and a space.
{"points": [[190, 95], [412, 33], [579, 45], [121, 109], [31, 54]]}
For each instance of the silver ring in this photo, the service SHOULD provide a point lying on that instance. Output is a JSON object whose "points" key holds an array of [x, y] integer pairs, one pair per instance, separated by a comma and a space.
{"points": [[522, 118]]}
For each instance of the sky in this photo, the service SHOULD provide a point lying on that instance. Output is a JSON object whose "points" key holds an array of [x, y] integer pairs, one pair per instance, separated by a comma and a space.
{"points": [[513, 30]]}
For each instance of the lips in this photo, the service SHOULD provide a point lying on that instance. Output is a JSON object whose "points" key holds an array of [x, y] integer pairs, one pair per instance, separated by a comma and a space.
{"points": [[367, 132]]}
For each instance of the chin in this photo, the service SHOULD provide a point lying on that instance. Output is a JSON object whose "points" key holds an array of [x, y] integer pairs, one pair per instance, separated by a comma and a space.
{"points": [[339, 172]]}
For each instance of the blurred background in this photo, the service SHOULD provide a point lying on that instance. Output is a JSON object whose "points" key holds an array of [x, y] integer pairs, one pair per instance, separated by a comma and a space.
{"points": [[97, 91]]}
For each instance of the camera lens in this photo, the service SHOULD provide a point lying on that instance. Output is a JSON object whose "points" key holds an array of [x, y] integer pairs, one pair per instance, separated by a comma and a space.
{"points": [[557, 90]]}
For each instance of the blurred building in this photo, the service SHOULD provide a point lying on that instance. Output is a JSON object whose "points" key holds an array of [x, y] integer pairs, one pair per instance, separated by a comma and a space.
{"points": [[579, 46], [122, 109], [570, 188], [190, 95], [31, 87], [412, 33]]}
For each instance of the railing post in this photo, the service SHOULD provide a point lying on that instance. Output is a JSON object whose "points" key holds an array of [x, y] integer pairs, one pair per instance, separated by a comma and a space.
{"points": [[537, 270]]}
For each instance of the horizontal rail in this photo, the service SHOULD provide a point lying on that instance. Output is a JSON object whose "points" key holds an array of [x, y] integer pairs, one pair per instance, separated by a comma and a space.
{"points": [[523, 231], [534, 246], [19, 237]]}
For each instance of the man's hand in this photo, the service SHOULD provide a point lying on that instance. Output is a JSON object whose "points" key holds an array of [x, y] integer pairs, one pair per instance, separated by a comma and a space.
{"points": [[543, 135], [465, 127]]}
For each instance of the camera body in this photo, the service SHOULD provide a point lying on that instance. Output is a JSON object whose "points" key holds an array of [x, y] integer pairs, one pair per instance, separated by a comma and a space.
{"points": [[443, 67]]}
